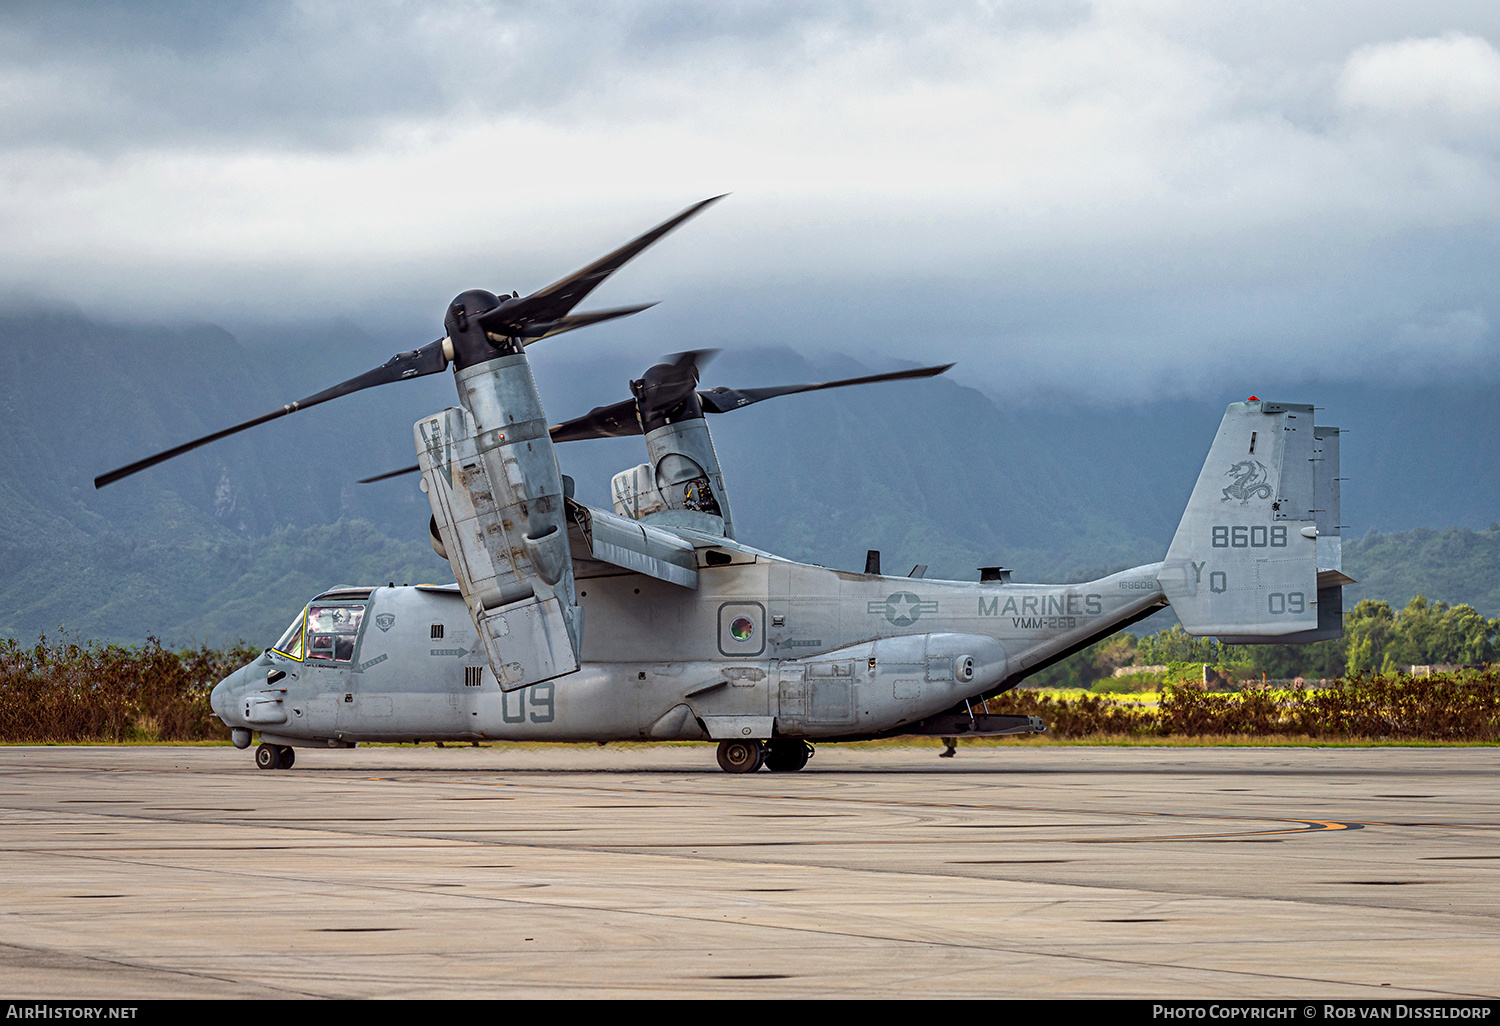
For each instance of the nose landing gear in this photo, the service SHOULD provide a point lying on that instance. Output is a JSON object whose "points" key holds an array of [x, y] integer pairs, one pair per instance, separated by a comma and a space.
{"points": [[275, 757]]}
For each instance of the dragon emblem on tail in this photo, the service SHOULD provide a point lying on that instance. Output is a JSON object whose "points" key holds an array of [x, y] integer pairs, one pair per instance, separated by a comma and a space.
{"points": [[1249, 482]]}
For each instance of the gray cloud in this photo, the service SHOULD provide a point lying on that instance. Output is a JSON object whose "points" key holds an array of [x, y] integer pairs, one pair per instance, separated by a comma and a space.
{"points": [[108, 76], [1089, 195]]}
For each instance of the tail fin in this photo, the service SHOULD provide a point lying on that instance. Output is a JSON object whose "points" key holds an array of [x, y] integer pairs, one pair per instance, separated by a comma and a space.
{"points": [[1244, 564]]}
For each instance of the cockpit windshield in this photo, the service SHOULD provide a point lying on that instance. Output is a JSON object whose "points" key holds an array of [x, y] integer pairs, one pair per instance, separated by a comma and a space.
{"points": [[290, 644], [332, 631]]}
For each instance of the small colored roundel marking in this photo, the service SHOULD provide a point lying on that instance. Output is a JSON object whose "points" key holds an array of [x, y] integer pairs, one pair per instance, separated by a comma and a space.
{"points": [[742, 629]]}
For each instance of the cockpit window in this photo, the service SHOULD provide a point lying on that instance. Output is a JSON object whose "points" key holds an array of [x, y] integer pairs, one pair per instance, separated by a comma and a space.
{"points": [[332, 631], [290, 644]]}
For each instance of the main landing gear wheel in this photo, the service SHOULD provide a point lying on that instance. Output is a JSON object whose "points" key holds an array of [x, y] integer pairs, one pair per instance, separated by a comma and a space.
{"points": [[787, 755], [741, 756], [275, 757]]}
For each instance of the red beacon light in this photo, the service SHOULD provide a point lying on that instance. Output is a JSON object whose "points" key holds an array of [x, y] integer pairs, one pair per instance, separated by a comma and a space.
{"points": [[1253, 399]]}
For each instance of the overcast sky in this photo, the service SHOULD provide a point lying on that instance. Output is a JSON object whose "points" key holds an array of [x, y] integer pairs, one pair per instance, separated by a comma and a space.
{"points": [[1114, 196]]}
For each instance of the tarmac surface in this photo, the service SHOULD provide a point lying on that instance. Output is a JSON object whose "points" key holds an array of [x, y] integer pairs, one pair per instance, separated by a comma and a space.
{"points": [[1011, 871]]}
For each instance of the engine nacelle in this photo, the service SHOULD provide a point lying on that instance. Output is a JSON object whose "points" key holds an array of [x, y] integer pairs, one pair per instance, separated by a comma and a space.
{"points": [[497, 503], [685, 471]]}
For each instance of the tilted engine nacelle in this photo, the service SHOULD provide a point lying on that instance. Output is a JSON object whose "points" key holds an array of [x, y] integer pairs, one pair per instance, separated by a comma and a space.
{"points": [[516, 582], [683, 484], [685, 471]]}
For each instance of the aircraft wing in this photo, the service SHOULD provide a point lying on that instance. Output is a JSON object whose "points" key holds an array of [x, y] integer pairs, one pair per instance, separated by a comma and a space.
{"points": [[600, 537]]}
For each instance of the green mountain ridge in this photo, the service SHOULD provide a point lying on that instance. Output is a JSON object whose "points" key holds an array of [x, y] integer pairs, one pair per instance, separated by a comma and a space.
{"points": [[1455, 565]]}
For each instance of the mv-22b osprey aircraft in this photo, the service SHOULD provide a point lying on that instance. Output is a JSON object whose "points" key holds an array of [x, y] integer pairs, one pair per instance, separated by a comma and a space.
{"points": [[652, 622]]}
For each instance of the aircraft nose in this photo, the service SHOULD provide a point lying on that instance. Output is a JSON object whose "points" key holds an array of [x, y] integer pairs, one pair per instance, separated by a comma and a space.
{"points": [[221, 698]]}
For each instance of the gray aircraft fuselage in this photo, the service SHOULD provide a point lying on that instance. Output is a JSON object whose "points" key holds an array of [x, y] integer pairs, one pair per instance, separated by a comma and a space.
{"points": [[764, 646]]}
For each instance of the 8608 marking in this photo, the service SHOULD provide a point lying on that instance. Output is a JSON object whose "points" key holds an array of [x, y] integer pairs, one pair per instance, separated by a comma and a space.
{"points": [[1242, 537]]}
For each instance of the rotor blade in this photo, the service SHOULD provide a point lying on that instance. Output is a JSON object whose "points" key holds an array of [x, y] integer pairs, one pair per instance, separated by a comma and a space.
{"points": [[556, 300], [615, 421], [427, 360], [546, 329], [392, 473], [722, 400]]}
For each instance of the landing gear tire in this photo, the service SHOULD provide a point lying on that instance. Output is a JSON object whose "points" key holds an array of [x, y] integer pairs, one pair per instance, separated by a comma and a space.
{"points": [[787, 755], [268, 757], [741, 756]]}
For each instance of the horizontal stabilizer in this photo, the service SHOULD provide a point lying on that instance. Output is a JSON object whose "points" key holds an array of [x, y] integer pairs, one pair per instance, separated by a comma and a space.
{"points": [[1333, 579]]}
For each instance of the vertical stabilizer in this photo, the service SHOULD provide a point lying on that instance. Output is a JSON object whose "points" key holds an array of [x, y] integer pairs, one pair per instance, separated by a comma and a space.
{"points": [[1244, 562]]}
